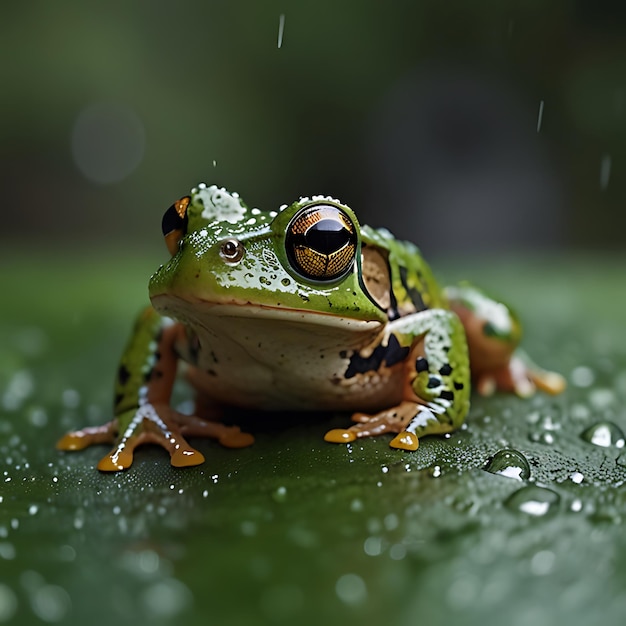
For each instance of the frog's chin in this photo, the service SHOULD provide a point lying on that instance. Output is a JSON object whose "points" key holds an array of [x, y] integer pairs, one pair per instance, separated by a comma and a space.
{"points": [[194, 310]]}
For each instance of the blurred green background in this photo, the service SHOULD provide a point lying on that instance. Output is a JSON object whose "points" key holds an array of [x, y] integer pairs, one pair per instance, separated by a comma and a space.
{"points": [[491, 133], [462, 125]]}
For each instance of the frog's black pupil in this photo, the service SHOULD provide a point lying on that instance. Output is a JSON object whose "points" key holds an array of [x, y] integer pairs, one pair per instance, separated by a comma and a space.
{"points": [[327, 236]]}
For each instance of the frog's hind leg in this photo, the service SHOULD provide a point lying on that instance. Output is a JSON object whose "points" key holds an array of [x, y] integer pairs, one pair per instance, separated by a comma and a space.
{"points": [[436, 393], [493, 335], [409, 421], [207, 418]]}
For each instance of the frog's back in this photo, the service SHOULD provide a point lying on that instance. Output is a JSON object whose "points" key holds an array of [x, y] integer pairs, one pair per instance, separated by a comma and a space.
{"points": [[397, 276]]}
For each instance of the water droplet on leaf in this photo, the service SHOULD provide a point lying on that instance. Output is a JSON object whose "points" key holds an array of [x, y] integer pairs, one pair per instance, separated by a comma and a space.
{"points": [[542, 437], [509, 463], [605, 435], [535, 501]]}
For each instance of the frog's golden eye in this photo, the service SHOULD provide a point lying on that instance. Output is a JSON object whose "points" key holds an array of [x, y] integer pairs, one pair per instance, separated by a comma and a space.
{"points": [[174, 223], [321, 242]]}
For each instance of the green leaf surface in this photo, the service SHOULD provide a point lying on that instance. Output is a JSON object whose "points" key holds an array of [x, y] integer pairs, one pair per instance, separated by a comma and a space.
{"points": [[295, 530]]}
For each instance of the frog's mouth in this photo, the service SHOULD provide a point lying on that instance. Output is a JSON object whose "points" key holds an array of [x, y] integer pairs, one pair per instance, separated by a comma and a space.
{"points": [[196, 309]]}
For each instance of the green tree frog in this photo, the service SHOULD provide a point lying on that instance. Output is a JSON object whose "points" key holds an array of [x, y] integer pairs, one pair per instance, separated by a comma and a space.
{"points": [[303, 309]]}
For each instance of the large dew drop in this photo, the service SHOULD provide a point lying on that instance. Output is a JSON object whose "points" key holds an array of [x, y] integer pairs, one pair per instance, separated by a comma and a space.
{"points": [[509, 463], [535, 501], [605, 435]]}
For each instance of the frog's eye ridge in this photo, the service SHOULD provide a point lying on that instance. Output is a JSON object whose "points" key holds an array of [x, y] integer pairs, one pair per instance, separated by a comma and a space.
{"points": [[174, 223], [321, 242]]}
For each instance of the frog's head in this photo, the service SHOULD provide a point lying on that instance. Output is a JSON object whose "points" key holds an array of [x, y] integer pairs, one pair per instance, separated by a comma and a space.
{"points": [[228, 259]]}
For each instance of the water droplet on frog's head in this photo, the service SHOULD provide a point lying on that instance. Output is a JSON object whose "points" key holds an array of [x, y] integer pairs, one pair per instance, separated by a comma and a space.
{"points": [[621, 460], [535, 501], [605, 435], [509, 463]]}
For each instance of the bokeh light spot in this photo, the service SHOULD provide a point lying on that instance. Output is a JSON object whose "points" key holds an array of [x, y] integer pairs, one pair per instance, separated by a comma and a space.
{"points": [[107, 142]]}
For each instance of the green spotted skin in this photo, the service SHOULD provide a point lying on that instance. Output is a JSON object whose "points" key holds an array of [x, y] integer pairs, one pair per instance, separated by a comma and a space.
{"points": [[443, 378], [140, 365]]}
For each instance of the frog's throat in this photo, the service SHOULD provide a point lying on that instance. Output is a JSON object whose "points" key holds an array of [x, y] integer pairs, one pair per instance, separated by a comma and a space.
{"points": [[187, 309]]}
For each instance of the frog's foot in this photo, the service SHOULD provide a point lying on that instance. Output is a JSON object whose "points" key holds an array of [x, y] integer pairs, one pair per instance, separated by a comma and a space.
{"points": [[520, 377], [165, 428], [80, 439], [404, 420], [228, 436]]}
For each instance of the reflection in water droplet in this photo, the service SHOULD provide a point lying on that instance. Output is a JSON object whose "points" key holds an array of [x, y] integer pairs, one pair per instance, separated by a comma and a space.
{"points": [[605, 435], [533, 500], [509, 463]]}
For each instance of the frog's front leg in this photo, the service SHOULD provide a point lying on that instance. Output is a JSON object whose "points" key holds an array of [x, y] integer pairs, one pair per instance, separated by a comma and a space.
{"points": [[493, 335], [142, 394], [437, 388]]}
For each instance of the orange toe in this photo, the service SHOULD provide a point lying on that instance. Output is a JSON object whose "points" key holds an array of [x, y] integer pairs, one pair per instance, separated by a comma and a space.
{"points": [[339, 435], [405, 441]]}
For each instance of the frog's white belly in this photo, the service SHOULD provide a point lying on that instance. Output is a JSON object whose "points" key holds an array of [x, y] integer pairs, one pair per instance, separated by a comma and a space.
{"points": [[287, 363]]}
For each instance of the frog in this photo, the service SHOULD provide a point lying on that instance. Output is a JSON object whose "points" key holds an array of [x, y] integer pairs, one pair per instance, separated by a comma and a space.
{"points": [[302, 309]]}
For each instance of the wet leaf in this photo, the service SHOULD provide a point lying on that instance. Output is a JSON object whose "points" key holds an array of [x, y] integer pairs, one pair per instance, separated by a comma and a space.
{"points": [[297, 530]]}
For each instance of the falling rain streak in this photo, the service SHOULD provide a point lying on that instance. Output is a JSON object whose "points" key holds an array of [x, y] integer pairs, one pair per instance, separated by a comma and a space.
{"points": [[605, 171], [281, 29], [540, 116]]}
